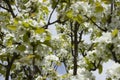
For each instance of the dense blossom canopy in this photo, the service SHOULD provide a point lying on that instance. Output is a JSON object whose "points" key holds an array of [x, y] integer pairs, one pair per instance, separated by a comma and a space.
{"points": [[28, 50]]}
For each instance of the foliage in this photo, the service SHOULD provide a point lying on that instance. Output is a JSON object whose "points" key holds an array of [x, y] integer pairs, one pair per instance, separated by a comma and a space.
{"points": [[28, 51]]}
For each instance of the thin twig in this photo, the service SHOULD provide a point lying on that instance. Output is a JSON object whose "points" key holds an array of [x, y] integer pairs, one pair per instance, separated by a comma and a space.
{"points": [[96, 24], [4, 8], [10, 8], [51, 14], [80, 36]]}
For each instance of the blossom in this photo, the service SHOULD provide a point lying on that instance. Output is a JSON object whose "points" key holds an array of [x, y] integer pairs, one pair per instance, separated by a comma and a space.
{"points": [[39, 78], [106, 37], [80, 6], [82, 74], [114, 71], [63, 52], [51, 58], [18, 65]]}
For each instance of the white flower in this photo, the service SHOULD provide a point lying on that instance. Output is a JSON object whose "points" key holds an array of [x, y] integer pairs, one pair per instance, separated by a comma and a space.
{"points": [[35, 0], [106, 37], [63, 52], [28, 4], [70, 71], [80, 6], [39, 78], [73, 78], [8, 36], [114, 71], [82, 74], [41, 23], [51, 58], [17, 65], [41, 1], [91, 52]]}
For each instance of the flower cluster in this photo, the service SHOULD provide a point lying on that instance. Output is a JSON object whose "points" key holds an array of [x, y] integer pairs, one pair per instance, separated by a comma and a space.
{"points": [[114, 71], [82, 74]]}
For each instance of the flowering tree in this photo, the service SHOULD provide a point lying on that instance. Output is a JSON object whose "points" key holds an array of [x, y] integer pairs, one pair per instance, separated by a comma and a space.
{"points": [[28, 51]]}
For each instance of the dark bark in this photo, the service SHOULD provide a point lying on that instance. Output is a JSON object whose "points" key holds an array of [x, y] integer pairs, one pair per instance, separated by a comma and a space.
{"points": [[75, 56], [9, 8], [10, 63]]}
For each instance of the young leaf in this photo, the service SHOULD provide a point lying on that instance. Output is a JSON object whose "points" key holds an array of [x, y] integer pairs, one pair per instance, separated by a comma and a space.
{"points": [[100, 69], [25, 24], [26, 37], [39, 30], [48, 37], [69, 14], [99, 7], [12, 27], [9, 42], [114, 33], [21, 48]]}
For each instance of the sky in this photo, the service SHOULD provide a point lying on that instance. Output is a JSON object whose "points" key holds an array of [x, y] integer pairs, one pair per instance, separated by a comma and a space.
{"points": [[61, 69]]}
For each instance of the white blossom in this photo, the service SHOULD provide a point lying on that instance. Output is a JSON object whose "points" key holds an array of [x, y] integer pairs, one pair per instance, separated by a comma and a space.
{"points": [[17, 65], [106, 37], [63, 52], [80, 7], [82, 74], [51, 58], [114, 71], [39, 78], [28, 4], [41, 23]]}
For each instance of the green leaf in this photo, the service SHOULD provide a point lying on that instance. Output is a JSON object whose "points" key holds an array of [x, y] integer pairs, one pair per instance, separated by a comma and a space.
{"points": [[9, 41], [3, 55], [45, 9], [21, 48], [78, 18], [47, 42], [2, 71], [26, 59], [30, 56], [114, 33], [54, 2], [39, 30], [100, 69], [25, 24], [26, 37], [93, 18], [106, 1], [13, 67], [25, 1], [108, 79], [90, 65], [98, 34], [48, 37], [69, 14], [99, 7], [12, 27]]}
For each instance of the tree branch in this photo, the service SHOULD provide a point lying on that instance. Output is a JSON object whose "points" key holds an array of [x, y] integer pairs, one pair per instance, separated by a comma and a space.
{"points": [[57, 21], [75, 56], [4, 8], [51, 14], [96, 66], [10, 63], [80, 36], [105, 30], [71, 27], [10, 8]]}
